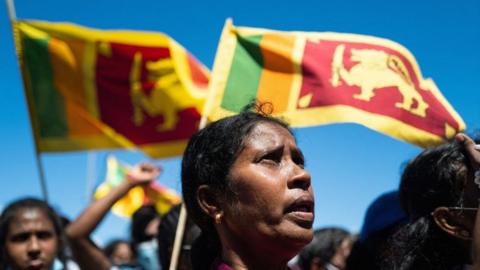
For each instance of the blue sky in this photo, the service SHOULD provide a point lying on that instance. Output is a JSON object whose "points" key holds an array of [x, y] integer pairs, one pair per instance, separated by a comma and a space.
{"points": [[350, 164]]}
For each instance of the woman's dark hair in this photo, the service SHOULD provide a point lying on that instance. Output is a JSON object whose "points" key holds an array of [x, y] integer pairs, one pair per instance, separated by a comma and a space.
{"points": [[140, 220], [324, 245], [13, 209], [207, 160], [110, 248], [435, 178]]}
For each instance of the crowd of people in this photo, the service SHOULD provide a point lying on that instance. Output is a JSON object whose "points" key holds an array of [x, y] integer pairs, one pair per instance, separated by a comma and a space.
{"points": [[250, 205]]}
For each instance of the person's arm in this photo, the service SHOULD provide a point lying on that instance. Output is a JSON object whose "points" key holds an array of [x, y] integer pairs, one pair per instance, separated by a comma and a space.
{"points": [[89, 256], [473, 152]]}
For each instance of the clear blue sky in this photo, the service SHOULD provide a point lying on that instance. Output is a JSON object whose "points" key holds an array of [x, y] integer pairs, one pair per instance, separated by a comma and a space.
{"points": [[350, 164]]}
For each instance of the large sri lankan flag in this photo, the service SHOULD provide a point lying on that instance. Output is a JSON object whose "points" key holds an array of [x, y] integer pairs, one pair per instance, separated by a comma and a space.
{"points": [[321, 78], [90, 89]]}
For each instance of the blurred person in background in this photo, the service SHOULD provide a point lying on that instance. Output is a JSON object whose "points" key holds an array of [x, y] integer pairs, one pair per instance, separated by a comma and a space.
{"points": [[439, 193], [32, 237], [144, 231], [382, 219], [166, 239], [328, 250]]}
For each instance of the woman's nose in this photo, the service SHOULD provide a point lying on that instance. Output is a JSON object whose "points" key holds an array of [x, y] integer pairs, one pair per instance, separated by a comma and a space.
{"points": [[33, 245], [300, 178]]}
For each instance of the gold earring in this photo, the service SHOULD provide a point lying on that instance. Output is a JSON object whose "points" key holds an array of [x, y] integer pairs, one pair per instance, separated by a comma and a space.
{"points": [[218, 217]]}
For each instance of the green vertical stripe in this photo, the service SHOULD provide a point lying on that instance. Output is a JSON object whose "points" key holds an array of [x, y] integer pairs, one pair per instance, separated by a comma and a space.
{"points": [[49, 109], [245, 73]]}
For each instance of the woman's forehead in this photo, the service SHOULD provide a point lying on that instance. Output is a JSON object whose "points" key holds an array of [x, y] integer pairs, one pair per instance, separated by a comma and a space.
{"points": [[30, 217], [266, 130]]}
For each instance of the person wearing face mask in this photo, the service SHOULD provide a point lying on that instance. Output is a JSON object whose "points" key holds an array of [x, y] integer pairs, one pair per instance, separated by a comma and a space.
{"points": [[244, 184], [31, 237], [144, 231]]}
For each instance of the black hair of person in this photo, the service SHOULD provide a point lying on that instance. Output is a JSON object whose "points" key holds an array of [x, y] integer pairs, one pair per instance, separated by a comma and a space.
{"points": [[13, 209], [435, 178], [110, 248], [140, 220], [324, 245], [207, 160]]}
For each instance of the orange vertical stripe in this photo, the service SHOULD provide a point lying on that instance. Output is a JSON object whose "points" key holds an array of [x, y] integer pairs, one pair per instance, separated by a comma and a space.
{"points": [[80, 123], [66, 61], [278, 69]]}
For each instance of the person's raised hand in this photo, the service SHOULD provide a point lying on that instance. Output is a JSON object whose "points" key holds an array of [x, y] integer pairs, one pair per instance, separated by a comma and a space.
{"points": [[473, 150], [143, 173]]}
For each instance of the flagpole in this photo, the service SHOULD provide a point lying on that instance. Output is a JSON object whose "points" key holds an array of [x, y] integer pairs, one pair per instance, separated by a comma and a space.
{"points": [[43, 185], [182, 219], [11, 10]]}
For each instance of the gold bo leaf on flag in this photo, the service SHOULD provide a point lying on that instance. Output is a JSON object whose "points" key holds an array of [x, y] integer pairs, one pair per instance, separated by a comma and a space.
{"points": [[90, 89], [322, 78]]}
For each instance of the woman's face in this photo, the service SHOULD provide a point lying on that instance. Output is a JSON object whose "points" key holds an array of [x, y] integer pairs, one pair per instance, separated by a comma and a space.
{"points": [[122, 254], [273, 208], [31, 241]]}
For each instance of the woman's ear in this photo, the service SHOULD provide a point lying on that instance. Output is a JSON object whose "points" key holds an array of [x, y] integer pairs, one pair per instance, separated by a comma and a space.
{"points": [[207, 200], [452, 223]]}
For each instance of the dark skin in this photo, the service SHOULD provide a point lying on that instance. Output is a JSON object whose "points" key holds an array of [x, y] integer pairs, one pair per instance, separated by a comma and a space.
{"points": [[272, 212], [31, 241]]}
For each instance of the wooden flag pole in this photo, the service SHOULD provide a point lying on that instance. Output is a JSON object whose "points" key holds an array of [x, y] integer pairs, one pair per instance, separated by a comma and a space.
{"points": [[43, 185], [182, 220]]}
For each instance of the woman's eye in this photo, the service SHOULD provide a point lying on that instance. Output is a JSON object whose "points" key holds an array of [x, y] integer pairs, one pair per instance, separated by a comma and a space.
{"points": [[298, 159], [45, 235], [272, 158], [21, 237]]}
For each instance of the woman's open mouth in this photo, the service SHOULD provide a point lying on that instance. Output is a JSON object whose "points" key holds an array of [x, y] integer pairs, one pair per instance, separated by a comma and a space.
{"points": [[302, 211]]}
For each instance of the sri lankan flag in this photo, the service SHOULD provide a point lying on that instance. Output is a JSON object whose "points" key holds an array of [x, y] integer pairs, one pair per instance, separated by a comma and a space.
{"points": [[321, 78], [160, 196], [90, 89]]}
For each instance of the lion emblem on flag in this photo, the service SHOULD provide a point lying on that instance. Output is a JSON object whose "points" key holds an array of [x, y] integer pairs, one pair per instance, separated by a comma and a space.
{"points": [[167, 97], [375, 69]]}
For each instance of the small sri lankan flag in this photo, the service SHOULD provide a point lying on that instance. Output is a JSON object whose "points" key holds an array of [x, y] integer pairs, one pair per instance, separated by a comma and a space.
{"points": [[91, 89], [156, 194], [321, 78]]}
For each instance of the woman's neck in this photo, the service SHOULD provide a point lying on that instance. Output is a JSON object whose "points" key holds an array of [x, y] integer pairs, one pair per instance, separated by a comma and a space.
{"points": [[240, 257]]}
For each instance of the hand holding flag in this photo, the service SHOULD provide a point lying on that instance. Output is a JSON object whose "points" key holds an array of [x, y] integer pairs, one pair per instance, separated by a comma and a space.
{"points": [[143, 174]]}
